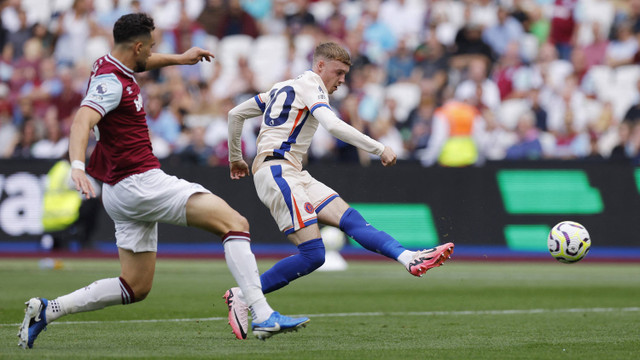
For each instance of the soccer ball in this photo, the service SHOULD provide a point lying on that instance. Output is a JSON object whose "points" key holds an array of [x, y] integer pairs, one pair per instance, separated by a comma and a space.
{"points": [[333, 238], [569, 242]]}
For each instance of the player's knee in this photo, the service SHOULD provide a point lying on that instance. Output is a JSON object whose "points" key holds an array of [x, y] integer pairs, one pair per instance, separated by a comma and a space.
{"points": [[313, 251], [141, 292], [239, 223]]}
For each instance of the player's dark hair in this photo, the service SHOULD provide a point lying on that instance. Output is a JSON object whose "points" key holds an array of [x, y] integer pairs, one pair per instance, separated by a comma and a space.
{"points": [[331, 51], [129, 27]]}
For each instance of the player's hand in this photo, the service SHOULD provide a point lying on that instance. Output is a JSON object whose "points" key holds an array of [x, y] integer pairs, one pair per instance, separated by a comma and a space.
{"points": [[239, 169], [388, 157], [196, 54], [83, 185]]}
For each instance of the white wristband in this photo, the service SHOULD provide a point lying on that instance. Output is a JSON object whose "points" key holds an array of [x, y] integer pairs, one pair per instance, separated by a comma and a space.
{"points": [[77, 164]]}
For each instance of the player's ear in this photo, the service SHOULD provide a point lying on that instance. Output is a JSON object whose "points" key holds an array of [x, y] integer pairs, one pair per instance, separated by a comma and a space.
{"points": [[137, 47]]}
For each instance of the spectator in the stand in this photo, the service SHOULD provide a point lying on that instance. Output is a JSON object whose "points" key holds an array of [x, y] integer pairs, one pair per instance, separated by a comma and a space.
{"points": [[469, 45], [54, 145], [8, 132], [345, 152], [633, 113], [211, 16], [300, 20], [528, 146], [359, 60], [506, 31], [4, 33], [456, 133], [579, 64], [236, 21], [405, 18], [420, 119], [27, 138], [540, 25], [258, 9], [633, 144], [400, 65], [483, 12], [72, 33], [550, 71], [68, 100], [432, 60], [275, 21], [118, 8], [622, 151], [595, 51], [563, 27], [538, 110], [197, 152], [335, 26], [385, 128], [477, 77], [623, 47], [17, 39], [377, 36], [513, 78], [161, 122], [634, 15]]}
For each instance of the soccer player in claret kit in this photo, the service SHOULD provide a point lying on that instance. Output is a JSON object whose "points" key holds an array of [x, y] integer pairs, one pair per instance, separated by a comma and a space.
{"points": [[291, 112], [137, 194]]}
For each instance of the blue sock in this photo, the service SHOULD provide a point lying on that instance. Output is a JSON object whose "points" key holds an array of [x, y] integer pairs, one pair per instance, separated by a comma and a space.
{"points": [[309, 258], [372, 239]]}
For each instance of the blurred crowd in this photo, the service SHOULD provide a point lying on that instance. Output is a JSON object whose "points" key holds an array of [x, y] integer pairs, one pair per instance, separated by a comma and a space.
{"points": [[448, 82]]}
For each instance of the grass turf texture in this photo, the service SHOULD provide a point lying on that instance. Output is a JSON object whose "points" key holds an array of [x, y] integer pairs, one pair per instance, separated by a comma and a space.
{"points": [[374, 310]]}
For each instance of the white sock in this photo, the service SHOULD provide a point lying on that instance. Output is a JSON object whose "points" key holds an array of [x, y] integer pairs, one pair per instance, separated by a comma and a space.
{"points": [[243, 267], [102, 293], [405, 257]]}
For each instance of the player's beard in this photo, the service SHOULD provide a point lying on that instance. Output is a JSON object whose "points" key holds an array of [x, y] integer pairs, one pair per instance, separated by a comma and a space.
{"points": [[140, 66]]}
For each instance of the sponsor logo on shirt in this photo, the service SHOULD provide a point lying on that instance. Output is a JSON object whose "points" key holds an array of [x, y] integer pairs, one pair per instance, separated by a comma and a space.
{"points": [[138, 102]]}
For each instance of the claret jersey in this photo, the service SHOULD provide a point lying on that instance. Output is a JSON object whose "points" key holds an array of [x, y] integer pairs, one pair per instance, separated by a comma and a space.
{"points": [[123, 146]]}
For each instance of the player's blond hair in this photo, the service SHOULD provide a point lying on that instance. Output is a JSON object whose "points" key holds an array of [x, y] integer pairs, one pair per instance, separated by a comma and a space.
{"points": [[331, 51]]}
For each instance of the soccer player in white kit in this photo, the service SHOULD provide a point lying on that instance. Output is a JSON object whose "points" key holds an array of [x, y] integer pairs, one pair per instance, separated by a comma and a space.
{"points": [[291, 112], [137, 194]]}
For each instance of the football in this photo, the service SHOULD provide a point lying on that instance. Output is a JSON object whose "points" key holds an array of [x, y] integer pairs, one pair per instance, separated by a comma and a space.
{"points": [[569, 242]]}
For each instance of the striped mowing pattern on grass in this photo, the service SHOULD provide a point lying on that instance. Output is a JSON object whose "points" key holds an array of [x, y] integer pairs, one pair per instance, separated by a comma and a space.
{"points": [[357, 314]]}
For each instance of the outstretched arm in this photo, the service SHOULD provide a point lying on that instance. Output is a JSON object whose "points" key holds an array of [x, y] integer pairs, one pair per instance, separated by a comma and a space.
{"points": [[349, 134], [237, 116], [189, 57], [86, 118]]}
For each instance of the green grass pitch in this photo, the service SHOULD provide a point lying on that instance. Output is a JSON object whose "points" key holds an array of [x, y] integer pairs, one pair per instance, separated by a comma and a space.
{"points": [[374, 310]]}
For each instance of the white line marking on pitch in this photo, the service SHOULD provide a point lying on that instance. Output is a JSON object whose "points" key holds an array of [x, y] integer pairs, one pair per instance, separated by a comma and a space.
{"points": [[357, 314]]}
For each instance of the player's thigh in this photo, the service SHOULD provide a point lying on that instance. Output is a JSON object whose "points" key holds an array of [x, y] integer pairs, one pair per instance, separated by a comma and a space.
{"points": [[137, 269], [305, 234], [210, 212], [332, 212]]}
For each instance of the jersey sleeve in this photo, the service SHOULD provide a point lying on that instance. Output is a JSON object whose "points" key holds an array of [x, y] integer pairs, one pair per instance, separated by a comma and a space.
{"points": [[313, 95], [104, 94], [237, 116], [346, 132]]}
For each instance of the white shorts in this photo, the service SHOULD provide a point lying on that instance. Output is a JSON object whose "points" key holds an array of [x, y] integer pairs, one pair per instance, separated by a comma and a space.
{"points": [[137, 203], [292, 196]]}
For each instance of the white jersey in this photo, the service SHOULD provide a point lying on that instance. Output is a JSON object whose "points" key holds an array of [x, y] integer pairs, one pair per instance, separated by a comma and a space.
{"points": [[288, 123], [291, 112]]}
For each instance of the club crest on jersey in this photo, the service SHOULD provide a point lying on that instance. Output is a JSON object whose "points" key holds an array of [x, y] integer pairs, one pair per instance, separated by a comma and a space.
{"points": [[138, 102], [308, 207]]}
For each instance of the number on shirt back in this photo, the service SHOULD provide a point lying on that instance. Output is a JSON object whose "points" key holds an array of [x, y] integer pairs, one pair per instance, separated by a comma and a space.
{"points": [[286, 106]]}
